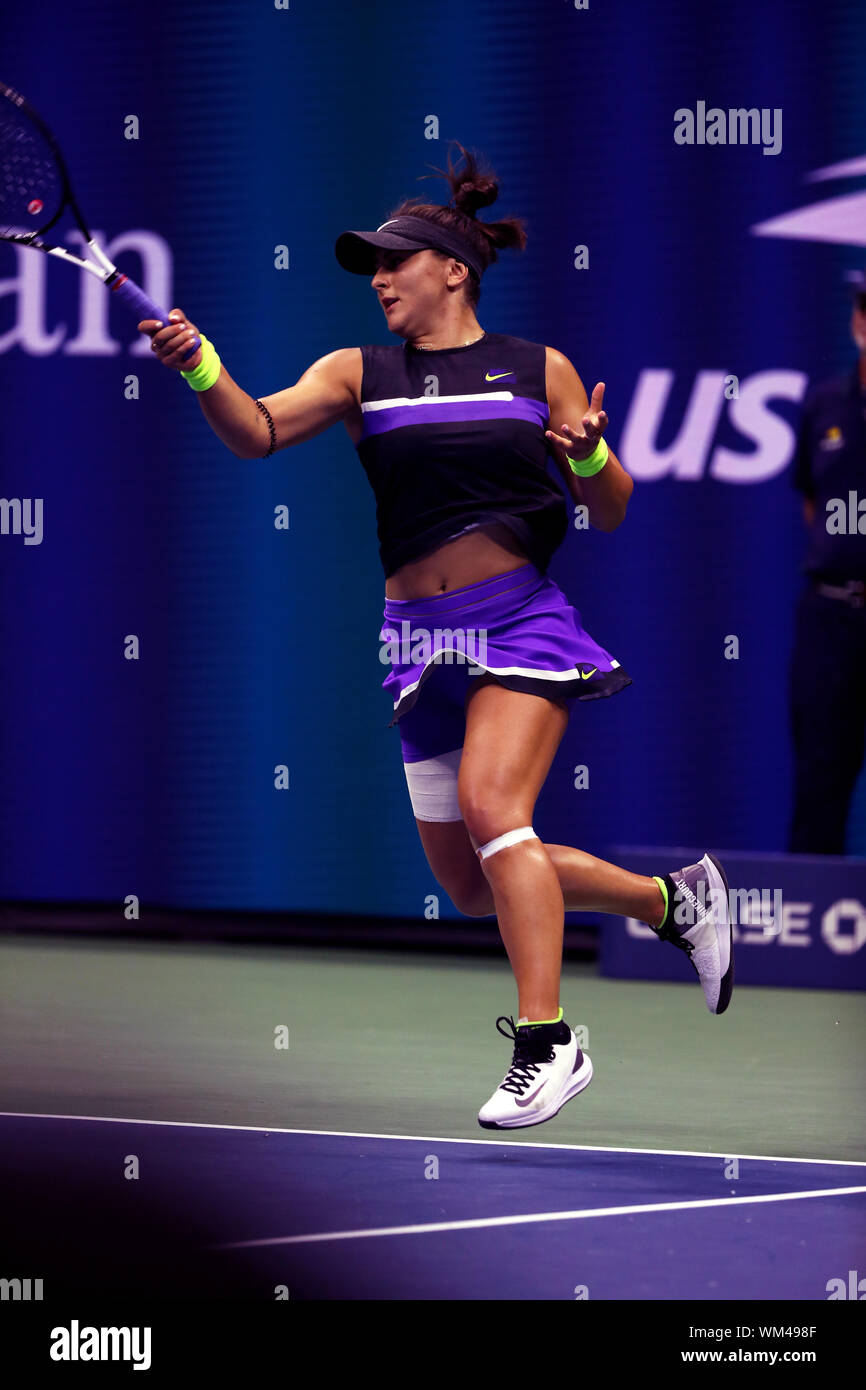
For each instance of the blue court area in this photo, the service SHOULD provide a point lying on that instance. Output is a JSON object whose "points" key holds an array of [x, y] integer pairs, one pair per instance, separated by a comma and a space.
{"points": [[241, 1212]]}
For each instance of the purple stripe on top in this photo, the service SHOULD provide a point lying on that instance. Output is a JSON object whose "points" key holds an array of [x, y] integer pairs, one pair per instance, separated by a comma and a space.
{"points": [[431, 411]]}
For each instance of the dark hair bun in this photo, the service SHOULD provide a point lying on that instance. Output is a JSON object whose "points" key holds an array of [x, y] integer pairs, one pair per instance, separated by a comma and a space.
{"points": [[474, 193], [470, 187]]}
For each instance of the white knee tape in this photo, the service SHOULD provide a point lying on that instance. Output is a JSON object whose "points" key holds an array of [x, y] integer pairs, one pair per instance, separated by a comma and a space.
{"points": [[433, 787], [511, 837]]}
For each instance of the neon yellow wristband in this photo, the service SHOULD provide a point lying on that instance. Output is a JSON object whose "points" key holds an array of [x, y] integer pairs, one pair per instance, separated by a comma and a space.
{"points": [[208, 369], [587, 468]]}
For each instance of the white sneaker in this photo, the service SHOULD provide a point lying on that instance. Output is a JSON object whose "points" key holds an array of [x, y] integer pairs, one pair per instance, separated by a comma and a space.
{"points": [[547, 1069], [700, 925]]}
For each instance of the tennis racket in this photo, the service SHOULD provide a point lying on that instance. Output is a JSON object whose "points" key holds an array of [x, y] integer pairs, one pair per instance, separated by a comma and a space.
{"points": [[35, 188]]}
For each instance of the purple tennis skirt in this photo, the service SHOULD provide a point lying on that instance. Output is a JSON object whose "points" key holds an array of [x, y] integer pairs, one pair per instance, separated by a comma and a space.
{"points": [[519, 626]]}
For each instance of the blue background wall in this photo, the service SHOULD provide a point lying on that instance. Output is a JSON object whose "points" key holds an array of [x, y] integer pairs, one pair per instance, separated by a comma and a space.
{"points": [[261, 127]]}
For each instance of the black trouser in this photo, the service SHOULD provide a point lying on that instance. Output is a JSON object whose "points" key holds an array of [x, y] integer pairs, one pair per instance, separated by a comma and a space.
{"points": [[828, 719]]}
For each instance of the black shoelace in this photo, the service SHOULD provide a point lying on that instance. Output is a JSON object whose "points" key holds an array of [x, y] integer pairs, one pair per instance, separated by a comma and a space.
{"points": [[670, 933], [530, 1054]]}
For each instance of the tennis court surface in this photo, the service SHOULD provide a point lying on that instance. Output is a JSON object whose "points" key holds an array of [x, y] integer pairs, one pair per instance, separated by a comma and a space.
{"points": [[187, 1121]]}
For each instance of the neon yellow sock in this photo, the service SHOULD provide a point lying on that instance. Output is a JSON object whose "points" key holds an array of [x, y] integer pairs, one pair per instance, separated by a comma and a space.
{"points": [[663, 886], [536, 1022]]}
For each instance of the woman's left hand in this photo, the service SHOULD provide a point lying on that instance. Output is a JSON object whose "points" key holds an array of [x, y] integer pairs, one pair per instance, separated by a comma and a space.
{"points": [[583, 442]]}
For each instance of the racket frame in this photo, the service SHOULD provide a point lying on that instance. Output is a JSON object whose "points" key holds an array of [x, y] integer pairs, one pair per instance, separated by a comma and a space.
{"points": [[103, 268]]}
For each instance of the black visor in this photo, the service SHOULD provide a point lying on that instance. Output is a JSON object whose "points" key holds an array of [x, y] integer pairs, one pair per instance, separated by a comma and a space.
{"points": [[356, 251]]}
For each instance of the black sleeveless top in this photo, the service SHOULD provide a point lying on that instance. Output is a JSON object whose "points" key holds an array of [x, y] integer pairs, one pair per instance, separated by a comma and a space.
{"points": [[453, 438]]}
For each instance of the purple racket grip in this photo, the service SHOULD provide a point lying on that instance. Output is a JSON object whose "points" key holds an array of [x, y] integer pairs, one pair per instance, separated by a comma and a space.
{"points": [[138, 303]]}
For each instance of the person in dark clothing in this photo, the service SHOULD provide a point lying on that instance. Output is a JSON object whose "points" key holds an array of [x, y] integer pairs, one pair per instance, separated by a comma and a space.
{"points": [[828, 666]]}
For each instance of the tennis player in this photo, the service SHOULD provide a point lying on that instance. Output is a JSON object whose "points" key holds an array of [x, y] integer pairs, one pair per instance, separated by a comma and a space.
{"points": [[454, 427]]}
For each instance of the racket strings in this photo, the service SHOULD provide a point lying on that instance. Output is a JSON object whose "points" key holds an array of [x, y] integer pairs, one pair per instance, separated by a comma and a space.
{"points": [[31, 188]]}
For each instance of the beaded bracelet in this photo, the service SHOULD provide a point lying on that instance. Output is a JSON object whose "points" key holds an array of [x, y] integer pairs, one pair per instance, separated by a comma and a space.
{"points": [[267, 414]]}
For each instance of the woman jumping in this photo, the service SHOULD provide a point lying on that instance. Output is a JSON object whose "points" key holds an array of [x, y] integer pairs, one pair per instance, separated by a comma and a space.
{"points": [[454, 429]]}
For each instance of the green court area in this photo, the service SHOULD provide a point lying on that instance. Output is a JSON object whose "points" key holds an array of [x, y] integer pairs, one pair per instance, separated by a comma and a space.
{"points": [[391, 1043]]}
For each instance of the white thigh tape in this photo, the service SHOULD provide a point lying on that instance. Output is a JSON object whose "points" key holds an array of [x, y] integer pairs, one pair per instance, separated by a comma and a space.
{"points": [[511, 837], [433, 786]]}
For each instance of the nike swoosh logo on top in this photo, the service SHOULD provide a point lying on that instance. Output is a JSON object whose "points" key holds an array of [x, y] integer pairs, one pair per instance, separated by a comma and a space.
{"points": [[497, 376], [585, 675]]}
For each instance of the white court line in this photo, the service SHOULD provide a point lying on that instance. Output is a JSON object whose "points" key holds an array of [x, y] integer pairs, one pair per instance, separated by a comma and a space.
{"points": [[430, 1139], [475, 1225]]}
